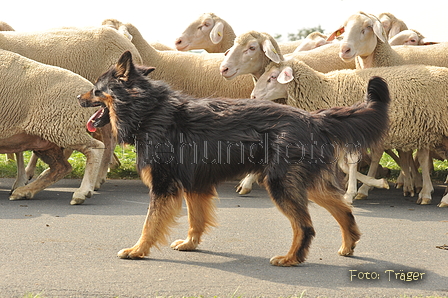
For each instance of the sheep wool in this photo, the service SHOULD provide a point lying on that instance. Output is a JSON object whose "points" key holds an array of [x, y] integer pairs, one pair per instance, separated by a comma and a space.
{"points": [[88, 52], [323, 59], [419, 99], [194, 74], [41, 100]]}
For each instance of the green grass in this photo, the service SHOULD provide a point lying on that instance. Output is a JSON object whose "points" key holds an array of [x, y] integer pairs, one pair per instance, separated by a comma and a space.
{"points": [[125, 154], [439, 174], [127, 170]]}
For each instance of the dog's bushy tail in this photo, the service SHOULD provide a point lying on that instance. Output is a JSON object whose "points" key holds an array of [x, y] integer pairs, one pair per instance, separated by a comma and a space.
{"points": [[362, 125]]}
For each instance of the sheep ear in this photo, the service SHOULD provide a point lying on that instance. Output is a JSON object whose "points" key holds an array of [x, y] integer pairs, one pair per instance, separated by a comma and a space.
{"points": [[270, 51], [336, 34], [216, 34], [394, 30], [124, 66], [379, 31], [285, 76]]}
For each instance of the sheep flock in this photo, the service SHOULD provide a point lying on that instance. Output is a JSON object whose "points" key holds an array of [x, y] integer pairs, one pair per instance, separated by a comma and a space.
{"points": [[44, 71]]}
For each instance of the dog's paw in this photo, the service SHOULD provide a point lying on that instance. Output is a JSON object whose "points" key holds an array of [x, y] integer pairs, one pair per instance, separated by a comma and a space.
{"points": [[184, 245], [130, 253], [284, 261], [346, 251]]}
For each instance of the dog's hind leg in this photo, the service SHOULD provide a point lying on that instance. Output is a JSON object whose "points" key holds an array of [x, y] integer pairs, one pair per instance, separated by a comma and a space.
{"points": [[201, 215], [162, 214], [331, 198], [289, 194]]}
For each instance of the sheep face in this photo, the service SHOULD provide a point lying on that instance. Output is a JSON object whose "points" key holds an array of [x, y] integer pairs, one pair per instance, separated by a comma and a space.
{"points": [[360, 36], [273, 84], [407, 37], [203, 33], [250, 54], [242, 59]]}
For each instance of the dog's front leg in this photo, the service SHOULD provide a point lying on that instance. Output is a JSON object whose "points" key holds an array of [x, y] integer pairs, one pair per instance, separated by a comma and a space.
{"points": [[162, 214], [201, 215]]}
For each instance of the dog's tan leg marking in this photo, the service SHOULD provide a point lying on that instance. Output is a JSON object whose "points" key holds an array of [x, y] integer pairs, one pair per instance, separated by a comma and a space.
{"points": [[302, 234], [201, 215], [162, 214], [289, 195], [334, 202]]}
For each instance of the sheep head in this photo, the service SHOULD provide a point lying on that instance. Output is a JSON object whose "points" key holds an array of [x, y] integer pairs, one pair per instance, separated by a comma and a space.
{"points": [[250, 54], [273, 84], [204, 33], [362, 32]]}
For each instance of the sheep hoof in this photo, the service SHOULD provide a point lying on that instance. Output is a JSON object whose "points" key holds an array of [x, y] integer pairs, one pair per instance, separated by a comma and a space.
{"points": [[77, 201], [424, 201], [348, 198], [17, 195], [360, 196], [244, 191], [442, 205], [79, 197], [398, 185], [408, 193]]}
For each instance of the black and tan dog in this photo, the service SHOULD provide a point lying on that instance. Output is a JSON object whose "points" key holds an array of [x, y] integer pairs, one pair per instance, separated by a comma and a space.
{"points": [[186, 146]]}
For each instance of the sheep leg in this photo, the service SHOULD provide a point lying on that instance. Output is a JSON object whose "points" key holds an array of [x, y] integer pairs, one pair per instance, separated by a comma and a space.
{"points": [[21, 179], [363, 191], [399, 183], [424, 197], [94, 153], [245, 185], [406, 164], [350, 168], [109, 159], [417, 177], [58, 168], [31, 167]]}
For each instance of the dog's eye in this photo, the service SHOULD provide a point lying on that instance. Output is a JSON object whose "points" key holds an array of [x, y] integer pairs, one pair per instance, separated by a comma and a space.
{"points": [[97, 93]]}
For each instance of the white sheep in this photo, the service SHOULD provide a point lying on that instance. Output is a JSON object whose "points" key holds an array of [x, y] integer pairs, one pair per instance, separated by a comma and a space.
{"points": [[213, 34], [40, 112], [407, 37], [313, 40], [417, 120], [253, 51], [86, 51], [366, 41], [391, 24], [194, 74], [208, 32]]}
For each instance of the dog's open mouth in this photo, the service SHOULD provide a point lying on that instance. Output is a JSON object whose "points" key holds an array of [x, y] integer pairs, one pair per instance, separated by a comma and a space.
{"points": [[99, 119]]}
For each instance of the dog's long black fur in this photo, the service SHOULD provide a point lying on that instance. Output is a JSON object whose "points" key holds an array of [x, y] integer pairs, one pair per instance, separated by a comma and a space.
{"points": [[187, 146]]}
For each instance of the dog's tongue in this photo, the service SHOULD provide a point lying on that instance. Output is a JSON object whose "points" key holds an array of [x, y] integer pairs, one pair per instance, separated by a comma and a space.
{"points": [[90, 124]]}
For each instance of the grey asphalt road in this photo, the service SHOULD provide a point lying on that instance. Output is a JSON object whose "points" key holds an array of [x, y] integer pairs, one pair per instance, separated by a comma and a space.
{"points": [[58, 250]]}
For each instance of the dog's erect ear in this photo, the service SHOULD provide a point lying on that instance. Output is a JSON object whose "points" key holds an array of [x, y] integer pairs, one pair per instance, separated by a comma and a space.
{"points": [[124, 66], [145, 70]]}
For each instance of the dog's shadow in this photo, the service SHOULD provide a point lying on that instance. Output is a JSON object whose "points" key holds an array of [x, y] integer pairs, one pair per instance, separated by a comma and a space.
{"points": [[315, 274]]}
